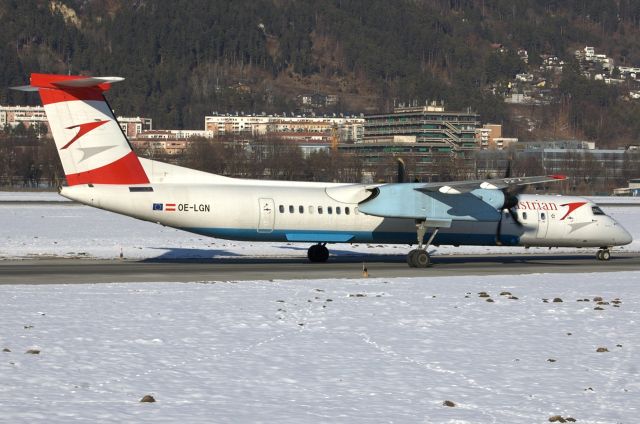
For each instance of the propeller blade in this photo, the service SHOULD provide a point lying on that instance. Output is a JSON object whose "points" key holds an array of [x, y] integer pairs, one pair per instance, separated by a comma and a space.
{"points": [[511, 200], [401, 170], [514, 215]]}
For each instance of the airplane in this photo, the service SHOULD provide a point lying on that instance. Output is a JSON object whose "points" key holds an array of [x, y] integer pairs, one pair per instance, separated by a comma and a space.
{"points": [[103, 171]]}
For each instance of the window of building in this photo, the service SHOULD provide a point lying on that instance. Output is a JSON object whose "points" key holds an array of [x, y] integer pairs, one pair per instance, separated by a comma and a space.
{"points": [[281, 208], [291, 209]]}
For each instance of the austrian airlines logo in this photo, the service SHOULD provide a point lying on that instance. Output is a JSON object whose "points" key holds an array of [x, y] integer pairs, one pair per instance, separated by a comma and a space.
{"points": [[84, 129], [572, 207]]}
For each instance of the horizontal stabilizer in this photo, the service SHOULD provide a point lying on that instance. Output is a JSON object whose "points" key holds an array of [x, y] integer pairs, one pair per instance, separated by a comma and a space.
{"points": [[24, 88], [87, 82], [62, 82]]}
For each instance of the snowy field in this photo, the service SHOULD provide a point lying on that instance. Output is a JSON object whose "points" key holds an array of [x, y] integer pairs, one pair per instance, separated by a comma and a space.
{"points": [[75, 231], [306, 351], [324, 351]]}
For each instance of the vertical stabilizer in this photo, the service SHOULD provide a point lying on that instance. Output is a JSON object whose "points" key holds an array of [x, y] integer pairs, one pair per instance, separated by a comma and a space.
{"points": [[92, 147]]}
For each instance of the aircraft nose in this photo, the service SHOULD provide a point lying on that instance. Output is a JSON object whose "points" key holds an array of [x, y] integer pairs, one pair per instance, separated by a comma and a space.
{"points": [[622, 236]]}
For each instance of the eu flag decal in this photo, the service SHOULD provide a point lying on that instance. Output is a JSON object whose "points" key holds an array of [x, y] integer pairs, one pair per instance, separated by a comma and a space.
{"points": [[157, 206]]}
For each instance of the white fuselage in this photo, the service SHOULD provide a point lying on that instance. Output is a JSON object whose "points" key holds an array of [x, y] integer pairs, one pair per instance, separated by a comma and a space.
{"points": [[328, 213]]}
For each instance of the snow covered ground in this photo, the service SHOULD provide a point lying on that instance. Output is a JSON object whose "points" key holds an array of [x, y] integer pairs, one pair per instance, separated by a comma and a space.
{"points": [[73, 230], [31, 196], [331, 351], [305, 351]]}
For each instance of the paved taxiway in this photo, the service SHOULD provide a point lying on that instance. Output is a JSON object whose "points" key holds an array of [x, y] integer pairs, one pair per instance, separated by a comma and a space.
{"points": [[54, 271]]}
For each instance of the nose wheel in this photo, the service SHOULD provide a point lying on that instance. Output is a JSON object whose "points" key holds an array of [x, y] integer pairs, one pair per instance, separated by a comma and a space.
{"points": [[318, 253], [604, 254]]}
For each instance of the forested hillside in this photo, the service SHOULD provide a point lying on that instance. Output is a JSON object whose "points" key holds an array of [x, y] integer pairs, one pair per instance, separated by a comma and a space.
{"points": [[187, 58]]}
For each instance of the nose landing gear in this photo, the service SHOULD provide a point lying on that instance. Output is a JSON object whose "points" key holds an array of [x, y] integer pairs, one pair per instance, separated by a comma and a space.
{"points": [[604, 254], [419, 258], [318, 253]]}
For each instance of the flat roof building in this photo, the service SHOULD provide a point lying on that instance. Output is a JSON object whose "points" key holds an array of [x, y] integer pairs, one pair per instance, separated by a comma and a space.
{"points": [[28, 116], [422, 136], [347, 129]]}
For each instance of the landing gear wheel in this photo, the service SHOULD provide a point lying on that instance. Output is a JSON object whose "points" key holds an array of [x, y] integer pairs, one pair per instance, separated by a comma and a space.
{"points": [[418, 258], [411, 258], [603, 255], [422, 259], [318, 253]]}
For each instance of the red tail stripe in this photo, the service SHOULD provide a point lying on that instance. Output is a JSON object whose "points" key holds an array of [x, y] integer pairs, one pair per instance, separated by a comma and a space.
{"points": [[126, 170], [50, 96]]}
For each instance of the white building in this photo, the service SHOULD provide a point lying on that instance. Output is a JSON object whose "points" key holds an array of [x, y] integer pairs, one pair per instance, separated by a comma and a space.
{"points": [[347, 129], [173, 134], [30, 115], [589, 52], [134, 126], [25, 115]]}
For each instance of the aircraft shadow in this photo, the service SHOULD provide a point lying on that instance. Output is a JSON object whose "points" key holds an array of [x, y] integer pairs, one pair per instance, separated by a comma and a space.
{"points": [[222, 256]]}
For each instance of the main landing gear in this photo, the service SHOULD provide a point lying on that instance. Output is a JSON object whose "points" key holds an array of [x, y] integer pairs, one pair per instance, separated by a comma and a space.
{"points": [[318, 253], [419, 258], [603, 254]]}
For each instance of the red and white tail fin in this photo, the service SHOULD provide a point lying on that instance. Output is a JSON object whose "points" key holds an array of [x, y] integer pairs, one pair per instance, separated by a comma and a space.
{"points": [[92, 147]]}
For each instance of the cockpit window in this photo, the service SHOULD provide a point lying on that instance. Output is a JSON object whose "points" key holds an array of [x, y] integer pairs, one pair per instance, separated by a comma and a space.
{"points": [[597, 211]]}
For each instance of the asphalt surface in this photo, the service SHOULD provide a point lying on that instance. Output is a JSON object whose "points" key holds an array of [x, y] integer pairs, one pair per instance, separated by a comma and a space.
{"points": [[73, 271]]}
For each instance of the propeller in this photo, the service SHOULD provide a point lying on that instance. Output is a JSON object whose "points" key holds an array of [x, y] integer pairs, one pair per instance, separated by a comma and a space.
{"points": [[511, 199], [401, 170]]}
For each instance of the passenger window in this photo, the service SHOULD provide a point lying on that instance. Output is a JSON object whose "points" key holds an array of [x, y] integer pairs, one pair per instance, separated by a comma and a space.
{"points": [[310, 209], [543, 216], [338, 210], [329, 210], [281, 208], [346, 210], [524, 215], [597, 211], [319, 210], [290, 208], [357, 211], [301, 209]]}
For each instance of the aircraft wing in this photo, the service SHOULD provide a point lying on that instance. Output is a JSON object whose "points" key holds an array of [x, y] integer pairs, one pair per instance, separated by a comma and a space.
{"points": [[458, 187]]}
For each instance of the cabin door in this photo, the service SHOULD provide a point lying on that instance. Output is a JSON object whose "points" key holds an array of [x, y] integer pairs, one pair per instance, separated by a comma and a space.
{"points": [[543, 224], [267, 215]]}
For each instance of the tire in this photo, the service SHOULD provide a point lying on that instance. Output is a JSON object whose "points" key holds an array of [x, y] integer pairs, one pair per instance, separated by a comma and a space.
{"points": [[599, 255], [323, 254], [421, 259], [605, 255], [312, 253], [411, 258]]}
